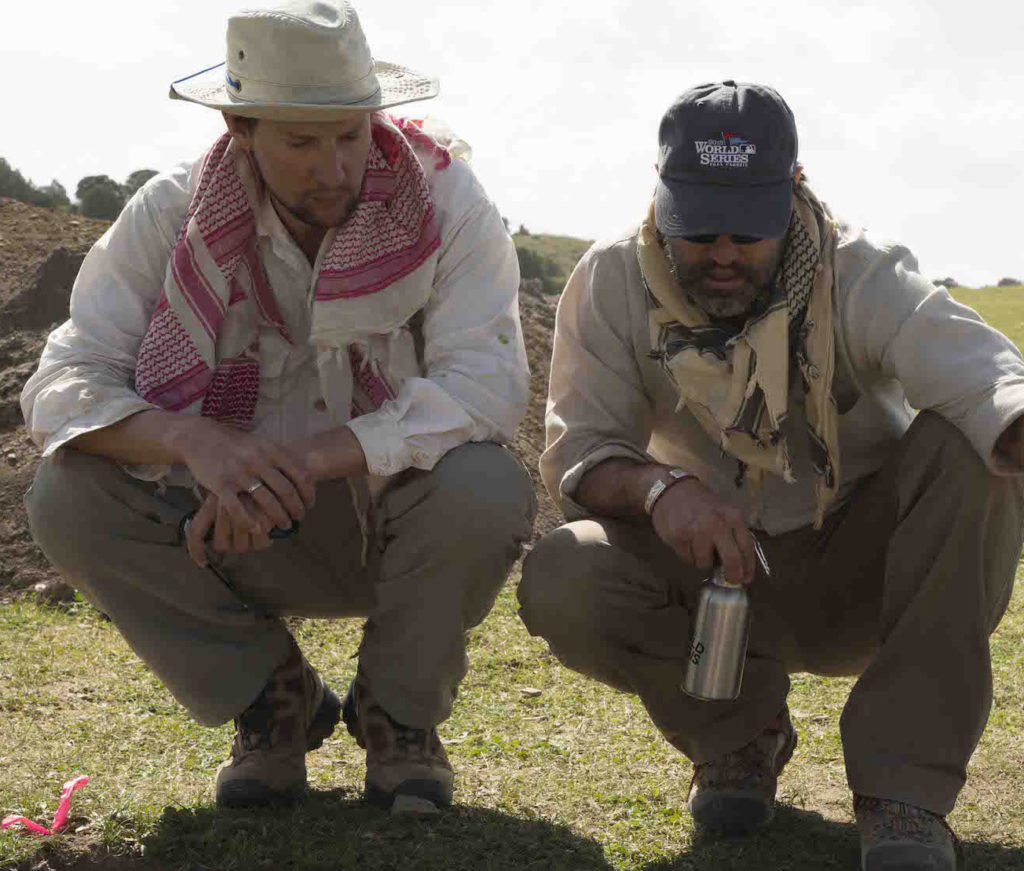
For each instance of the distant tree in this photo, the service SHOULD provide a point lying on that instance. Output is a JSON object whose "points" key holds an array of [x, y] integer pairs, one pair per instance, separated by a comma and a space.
{"points": [[56, 195], [522, 231], [136, 180], [100, 197], [947, 282], [14, 185], [1009, 282]]}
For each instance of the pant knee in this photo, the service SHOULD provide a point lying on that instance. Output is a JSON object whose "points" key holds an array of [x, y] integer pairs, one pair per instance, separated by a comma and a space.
{"points": [[80, 505], [554, 601], [61, 502], [478, 492], [933, 439], [487, 489]]}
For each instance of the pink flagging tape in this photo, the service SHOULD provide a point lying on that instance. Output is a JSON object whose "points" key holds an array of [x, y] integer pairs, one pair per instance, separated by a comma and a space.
{"points": [[59, 818]]}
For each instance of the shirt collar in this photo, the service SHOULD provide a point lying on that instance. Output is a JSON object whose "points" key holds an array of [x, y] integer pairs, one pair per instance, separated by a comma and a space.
{"points": [[269, 226]]}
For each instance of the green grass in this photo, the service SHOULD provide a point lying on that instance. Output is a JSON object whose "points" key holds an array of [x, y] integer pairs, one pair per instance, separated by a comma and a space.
{"points": [[571, 777], [549, 258], [1003, 307]]}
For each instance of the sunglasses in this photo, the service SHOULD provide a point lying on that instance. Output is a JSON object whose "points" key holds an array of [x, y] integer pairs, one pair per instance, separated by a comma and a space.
{"points": [[709, 238]]}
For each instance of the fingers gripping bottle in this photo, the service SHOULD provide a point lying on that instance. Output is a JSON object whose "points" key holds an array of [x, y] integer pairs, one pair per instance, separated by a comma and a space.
{"points": [[718, 648]]}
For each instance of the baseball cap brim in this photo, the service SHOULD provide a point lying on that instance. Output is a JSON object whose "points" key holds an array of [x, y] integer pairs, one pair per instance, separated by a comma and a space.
{"points": [[685, 209]]}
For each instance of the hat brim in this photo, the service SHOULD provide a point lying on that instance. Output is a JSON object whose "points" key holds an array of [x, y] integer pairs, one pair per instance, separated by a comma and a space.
{"points": [[682, 209], [398, 85]]}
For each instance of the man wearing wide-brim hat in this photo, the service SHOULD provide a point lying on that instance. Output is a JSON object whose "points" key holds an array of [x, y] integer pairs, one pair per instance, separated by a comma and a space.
{"points": [[282, 391], [743, 363]]}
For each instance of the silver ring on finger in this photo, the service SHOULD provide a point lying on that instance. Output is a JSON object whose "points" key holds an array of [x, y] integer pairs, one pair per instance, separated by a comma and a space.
{"points": [[252, 488]]}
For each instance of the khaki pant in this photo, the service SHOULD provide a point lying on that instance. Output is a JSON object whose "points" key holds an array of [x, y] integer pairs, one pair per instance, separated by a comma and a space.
{"points": [[440, 548], [903, 585]]}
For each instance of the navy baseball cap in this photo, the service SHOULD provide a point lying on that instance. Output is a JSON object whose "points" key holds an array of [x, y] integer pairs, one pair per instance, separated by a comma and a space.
{"points": [[726, 162]]}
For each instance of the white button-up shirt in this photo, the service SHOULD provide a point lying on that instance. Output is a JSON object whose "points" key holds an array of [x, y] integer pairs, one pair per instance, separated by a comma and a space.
{"points": [[475, 381]]}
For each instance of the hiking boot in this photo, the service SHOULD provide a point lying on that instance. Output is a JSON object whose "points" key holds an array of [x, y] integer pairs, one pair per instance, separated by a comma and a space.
{"points": [[735, 794], [407, 770], [895, 836], [293, 714]]}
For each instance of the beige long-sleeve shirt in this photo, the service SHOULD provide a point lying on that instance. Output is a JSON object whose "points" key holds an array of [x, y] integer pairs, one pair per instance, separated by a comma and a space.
{"points": [[901, 344]]}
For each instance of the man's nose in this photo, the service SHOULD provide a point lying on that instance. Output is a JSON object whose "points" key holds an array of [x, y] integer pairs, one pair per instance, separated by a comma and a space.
{"points": [[723, 250], [330, 165]]}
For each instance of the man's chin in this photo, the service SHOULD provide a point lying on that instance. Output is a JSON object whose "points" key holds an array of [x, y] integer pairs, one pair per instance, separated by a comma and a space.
{"points": [[322, 215], [326, 220], [721, 304]]}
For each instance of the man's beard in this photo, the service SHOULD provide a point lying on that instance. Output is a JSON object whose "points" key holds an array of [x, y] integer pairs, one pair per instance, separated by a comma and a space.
{"points": [[721, 304], [309, 215]]}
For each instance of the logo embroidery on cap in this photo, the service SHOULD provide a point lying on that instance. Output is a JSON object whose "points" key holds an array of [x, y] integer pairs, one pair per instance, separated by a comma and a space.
{"points": [[731, 150]]}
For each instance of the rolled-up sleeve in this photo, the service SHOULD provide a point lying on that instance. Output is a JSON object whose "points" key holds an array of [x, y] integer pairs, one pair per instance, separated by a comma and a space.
{"points": [[597, 406], [85, 378], [947, 359], [476, 381]]}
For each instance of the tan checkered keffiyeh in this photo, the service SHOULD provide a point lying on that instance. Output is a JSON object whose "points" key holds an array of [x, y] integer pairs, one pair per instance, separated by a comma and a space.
{"points": [[736, 382]]}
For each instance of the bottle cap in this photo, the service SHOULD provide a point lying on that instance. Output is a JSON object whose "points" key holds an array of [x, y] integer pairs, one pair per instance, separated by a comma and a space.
{"points": [[718, 576]]}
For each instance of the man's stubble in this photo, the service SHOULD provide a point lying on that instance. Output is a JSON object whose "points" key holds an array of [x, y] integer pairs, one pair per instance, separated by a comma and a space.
{"points": [[721, 304]]}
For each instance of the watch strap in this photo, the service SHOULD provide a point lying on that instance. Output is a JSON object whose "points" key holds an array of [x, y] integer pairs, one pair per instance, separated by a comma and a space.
{"points": [[659, 487]]}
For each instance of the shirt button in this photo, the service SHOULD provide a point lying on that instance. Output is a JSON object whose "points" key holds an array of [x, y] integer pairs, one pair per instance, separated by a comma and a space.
{"points": [[320, 405]]}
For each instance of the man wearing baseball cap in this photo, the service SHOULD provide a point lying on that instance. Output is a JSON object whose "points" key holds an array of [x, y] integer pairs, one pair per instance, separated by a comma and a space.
{"points": [[321, 309], [745, 364]]}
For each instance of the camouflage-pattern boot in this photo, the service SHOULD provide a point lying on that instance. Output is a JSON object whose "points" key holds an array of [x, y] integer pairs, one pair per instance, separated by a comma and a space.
{"points": [[895, 836], [407, 770], [735, 793], [292, 715]]}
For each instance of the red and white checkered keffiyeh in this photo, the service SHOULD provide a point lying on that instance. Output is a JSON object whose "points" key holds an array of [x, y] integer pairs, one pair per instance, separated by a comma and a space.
{"points": [[200, 353]]}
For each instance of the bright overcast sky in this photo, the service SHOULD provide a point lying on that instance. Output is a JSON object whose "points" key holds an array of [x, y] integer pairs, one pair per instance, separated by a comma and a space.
{"points": [[910, 112]]}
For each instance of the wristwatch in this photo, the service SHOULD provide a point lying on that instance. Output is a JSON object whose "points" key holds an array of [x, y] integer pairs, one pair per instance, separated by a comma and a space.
{"points": [[661, 485]]}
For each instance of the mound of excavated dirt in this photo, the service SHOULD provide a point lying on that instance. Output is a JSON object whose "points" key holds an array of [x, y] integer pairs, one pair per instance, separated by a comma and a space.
{"points": [[537, 311], [40, 254]]}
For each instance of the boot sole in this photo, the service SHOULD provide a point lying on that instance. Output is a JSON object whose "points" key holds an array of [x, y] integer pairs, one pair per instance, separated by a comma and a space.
{"points": [[255, 793], [731, 813], [324, 720], [738, 813], [909, 857], [348, 714], [434, 792]]}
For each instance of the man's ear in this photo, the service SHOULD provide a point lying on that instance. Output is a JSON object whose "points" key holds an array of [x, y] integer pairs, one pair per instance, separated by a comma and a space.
{"points": [[799, 174], [241, 129]]}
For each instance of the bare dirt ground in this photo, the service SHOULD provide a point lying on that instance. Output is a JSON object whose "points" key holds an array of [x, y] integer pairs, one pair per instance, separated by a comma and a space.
{"points": [[40, 254]]}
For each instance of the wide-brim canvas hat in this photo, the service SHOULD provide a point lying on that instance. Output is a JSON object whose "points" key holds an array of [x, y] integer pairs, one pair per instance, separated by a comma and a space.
{"points": [[301, 60]]}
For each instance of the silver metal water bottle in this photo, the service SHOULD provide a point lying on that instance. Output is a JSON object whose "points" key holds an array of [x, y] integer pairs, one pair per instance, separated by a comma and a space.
{"points": [[718, 648]]}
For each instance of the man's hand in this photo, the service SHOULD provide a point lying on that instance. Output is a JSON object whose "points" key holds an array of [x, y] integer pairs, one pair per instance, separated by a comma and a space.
{"points": [[228, 463], [228, 536], [695, 523]]}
